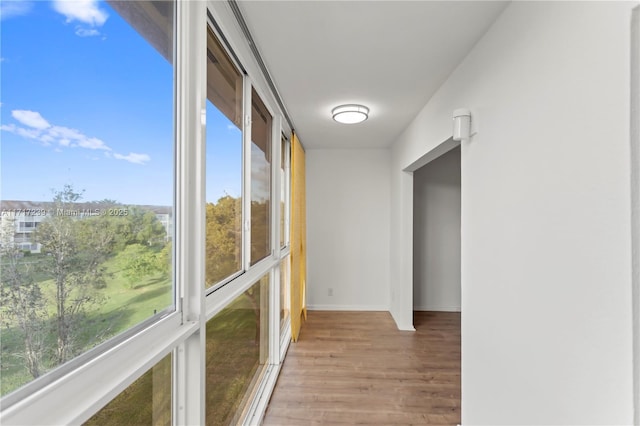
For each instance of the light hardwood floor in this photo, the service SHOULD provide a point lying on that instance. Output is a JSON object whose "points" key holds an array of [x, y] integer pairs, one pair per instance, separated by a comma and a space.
{"points": [[356, 368]]}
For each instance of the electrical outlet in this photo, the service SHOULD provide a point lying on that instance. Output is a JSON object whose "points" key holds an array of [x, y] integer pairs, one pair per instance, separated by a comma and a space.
{"points": [[330, 292]]}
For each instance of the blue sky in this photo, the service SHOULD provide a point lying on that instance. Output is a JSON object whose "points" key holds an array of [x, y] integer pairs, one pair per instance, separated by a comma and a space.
{"points": [[85, 100], [224, 156]]}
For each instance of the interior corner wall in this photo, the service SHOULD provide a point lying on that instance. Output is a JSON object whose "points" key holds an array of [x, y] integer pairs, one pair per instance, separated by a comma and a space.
{"points": [[546, 247], [436, 234], [348, 239]]}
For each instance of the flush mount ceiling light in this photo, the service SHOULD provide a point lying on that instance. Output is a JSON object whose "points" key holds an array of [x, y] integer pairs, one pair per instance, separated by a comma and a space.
{"points": [[350, 114]]}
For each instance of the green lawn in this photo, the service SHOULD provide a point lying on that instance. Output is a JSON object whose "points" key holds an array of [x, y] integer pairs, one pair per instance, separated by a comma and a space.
{"points": [[232, 351], [232, 360], [122, 307], [146, 402]]}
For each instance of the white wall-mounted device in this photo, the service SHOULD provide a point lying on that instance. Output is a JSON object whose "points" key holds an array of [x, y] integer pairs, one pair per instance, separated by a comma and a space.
{"points": [[461, 124]]}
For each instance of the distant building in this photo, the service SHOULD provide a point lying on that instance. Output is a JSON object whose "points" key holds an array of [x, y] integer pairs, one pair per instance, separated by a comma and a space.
{"points": [[26, 216]]}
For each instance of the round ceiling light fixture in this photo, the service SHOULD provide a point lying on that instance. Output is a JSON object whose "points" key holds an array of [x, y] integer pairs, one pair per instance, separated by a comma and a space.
{"points": [[350, 114]]}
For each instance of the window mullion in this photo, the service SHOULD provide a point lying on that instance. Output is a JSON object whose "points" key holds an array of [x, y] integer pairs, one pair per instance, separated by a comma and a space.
{"points": [[274, 317], [190, 208], [246, 186], [276, 147], [287, 190]]}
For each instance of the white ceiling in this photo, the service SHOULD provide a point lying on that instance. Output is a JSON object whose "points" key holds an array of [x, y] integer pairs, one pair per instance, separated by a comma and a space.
{"points": [[388, 55]]}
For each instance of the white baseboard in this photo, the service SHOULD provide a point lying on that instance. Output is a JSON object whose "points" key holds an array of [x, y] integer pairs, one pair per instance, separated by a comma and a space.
{"points": [[438, 308], [347, 308], [406, 327]]}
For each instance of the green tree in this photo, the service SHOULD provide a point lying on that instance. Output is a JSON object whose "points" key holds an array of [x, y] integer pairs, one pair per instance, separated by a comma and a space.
{"points": [[137, 262], [96, 241], [164, 260], [223, 239], [141, 226], [65, 240], [21, 299], [260, 231]]}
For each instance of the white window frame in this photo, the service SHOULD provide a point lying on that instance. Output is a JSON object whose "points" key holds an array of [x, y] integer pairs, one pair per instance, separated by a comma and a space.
{"points": [[90, 384], [284, 245], [246, 178], [119, 362]]}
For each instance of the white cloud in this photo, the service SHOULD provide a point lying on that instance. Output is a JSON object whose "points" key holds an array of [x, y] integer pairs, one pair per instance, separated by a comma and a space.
{"points": [[31, 119], [21, 131], [65, 133], [47, 139], [84, 32], [93, 143], [12, 8], [84, 11], [64, 137], [40, 129], [133, 158], [29, 133]]}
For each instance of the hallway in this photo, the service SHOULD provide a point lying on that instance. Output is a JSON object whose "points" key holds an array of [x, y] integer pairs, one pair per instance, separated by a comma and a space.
{"points": [[357, 368]]}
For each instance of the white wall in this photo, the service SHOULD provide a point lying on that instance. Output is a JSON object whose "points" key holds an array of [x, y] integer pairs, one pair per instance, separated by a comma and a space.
{"points": [[635, 199], [348, 204], [546, 258], [436, 231]]}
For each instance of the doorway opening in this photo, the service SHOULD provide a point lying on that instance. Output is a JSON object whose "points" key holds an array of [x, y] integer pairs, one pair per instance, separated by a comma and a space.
{"points": [[437, 301], [436, 234]]}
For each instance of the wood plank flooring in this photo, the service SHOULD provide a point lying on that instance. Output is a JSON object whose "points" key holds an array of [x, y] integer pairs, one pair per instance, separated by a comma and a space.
{"points": [[356, 368]]}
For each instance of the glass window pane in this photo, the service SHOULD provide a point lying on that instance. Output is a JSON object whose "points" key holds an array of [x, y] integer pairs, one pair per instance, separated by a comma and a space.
{"points": [[224, 165], [260, 179], [91, 257], [237, 352], [283, 186], [285, 167], [285, 298], [147, 401]]}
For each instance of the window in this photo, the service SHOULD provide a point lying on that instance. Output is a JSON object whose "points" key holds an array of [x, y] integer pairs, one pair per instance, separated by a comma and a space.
{"points": [[224, 165], [237, 353], [285, 182], [238, 201], [260, 179], [147, 401], [95, 119]]}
